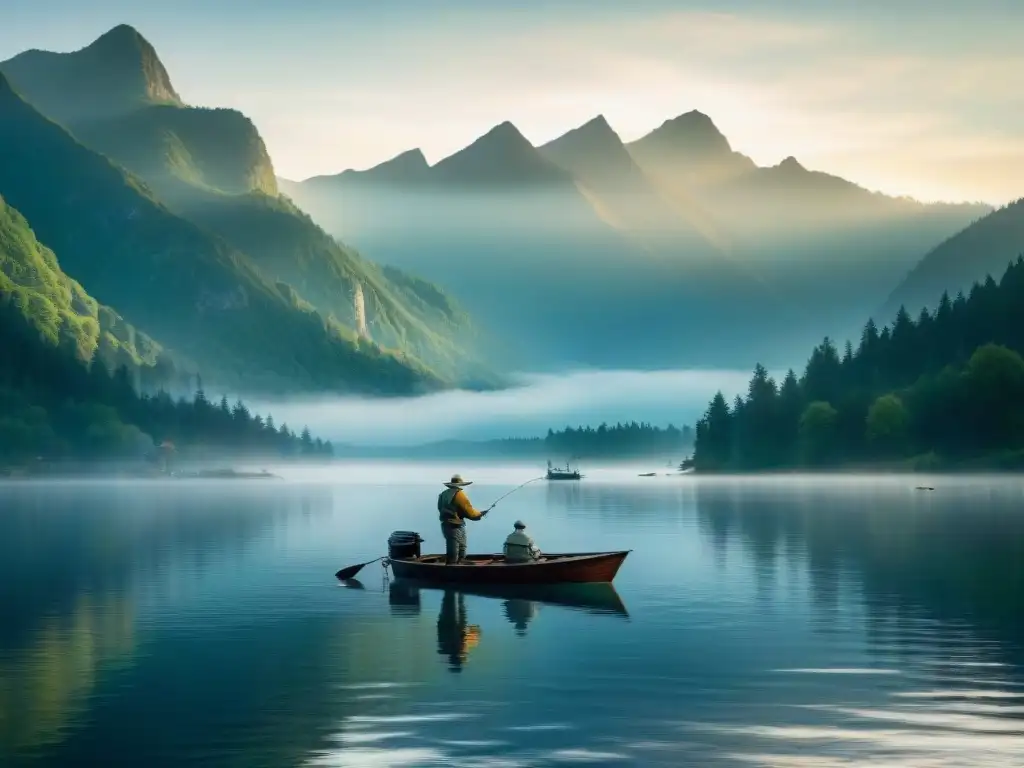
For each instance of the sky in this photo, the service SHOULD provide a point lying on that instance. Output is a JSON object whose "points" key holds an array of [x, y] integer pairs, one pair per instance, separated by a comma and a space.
{"points": [[916, 97]]}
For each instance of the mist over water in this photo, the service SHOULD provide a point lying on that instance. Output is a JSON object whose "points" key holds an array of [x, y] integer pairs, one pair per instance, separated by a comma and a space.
{"points": [[537, 403]]}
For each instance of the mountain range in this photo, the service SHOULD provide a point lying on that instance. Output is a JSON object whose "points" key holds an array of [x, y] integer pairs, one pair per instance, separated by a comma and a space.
{"points": [[171, 214], [670, 250], [167, 239]]}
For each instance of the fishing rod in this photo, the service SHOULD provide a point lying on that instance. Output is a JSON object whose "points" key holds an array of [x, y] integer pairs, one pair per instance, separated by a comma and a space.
{"points": [[521, 485], [347, 573]]}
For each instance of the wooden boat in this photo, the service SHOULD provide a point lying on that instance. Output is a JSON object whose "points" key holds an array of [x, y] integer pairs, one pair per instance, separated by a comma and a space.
{"points": [[573, 568]]}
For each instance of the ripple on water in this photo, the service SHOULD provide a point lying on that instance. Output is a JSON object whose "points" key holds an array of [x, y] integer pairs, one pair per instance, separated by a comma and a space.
{"points": [[819, 628]]}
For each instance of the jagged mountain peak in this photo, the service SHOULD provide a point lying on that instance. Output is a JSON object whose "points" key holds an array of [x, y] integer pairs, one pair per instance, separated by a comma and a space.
{"points": [[500, 156], [598, 124], [412, 160], [595, 135], [115, 74], [120, 35], [504, 135], [594, 153], [691, 131], [791, 164], [412, 157], [408, 166]]}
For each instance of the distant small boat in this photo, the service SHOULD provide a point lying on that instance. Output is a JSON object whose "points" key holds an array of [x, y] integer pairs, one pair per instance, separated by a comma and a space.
{"points": [[557, 473], [648, 474]]}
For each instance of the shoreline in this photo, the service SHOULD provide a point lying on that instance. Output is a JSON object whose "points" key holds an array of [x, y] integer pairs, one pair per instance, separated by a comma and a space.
{"points": [[974, 467]]}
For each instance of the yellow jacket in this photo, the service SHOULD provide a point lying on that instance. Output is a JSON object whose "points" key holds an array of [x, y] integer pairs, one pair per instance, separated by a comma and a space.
{"points": [[454, 507]]}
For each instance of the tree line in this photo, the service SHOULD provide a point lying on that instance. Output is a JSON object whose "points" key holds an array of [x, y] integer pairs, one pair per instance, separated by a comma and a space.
{"points": [[942, 390], [616, 441], [54, 406]]}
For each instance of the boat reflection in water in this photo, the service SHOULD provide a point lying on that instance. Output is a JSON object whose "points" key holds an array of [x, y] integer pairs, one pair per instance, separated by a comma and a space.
{"points": [[456, 637]]}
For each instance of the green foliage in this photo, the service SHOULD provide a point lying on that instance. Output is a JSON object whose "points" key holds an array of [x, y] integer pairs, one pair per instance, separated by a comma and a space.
{"points": [[426, 293], [212, 167], [53, 406], [188, 288], [177, 148], [888, 424], [818, 433], [994, 384], [947, 389], [605, 442], [714, 435], [408, 315], [58, 306], [618, 441]]}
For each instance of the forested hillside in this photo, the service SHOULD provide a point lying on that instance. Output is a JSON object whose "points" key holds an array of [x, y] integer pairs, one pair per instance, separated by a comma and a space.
{"points": [[182, 285], [54, 407], [212, 168], [944, 389], [59, 308]]}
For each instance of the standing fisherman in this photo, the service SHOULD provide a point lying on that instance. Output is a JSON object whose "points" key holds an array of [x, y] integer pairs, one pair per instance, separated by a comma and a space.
{"points": [[454, 508]]}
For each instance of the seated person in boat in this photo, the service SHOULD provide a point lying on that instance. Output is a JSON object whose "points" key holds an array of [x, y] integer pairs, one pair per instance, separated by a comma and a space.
{"points": [[454, 509], [519, 547]]}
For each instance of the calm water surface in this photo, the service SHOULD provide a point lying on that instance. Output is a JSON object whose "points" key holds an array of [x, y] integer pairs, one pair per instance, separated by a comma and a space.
{"points": [[773, 622]]}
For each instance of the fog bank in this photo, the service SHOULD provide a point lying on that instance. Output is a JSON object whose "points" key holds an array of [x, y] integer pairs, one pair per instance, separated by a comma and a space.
{"points": [[526, 410]]}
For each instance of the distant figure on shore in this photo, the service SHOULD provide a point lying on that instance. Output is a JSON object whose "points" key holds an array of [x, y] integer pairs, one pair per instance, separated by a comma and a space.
{"points": [[519, 547]]}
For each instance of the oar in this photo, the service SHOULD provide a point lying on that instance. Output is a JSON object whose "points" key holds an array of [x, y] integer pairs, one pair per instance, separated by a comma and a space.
{"points": [[352, 570]]}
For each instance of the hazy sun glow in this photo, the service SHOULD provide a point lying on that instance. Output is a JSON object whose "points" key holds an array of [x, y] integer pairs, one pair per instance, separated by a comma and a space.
{"points": [[918, 99]]}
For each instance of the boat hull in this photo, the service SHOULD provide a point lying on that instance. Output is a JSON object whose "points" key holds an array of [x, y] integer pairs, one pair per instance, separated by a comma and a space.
{"points": [[583, 568]]}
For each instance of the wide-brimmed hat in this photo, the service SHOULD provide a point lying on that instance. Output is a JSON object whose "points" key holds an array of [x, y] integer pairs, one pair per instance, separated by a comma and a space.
{"points": [[458, 482]]}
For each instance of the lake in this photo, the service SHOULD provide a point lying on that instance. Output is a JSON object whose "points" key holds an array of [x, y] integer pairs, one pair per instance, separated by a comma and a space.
{"points": [[757, 622]]}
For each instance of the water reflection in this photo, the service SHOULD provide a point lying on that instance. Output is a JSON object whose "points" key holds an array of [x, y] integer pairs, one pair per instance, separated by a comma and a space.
{"points": [[84, 556], [938, 579], [520, 613], [771, 623], [457, 637], [597, 599], [404, 599], [631, 500], [46, 682], [907, 556]]}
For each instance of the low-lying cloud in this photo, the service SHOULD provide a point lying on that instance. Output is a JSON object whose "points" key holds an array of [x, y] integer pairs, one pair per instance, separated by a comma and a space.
{"points": [[527, 410]]}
